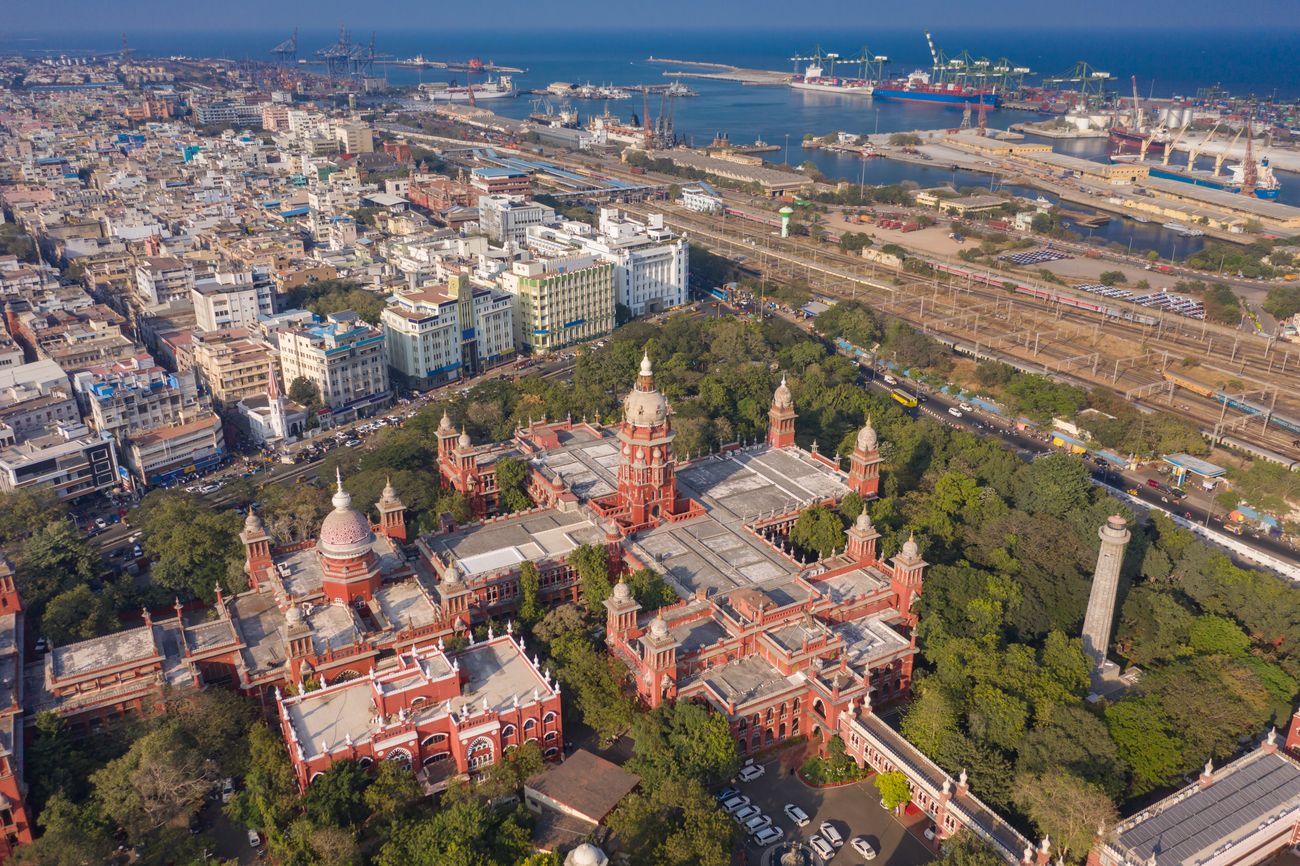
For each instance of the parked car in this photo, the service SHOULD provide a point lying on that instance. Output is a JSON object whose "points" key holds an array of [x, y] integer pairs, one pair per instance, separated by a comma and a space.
{"points": [[752, 772], [758, 822], [254, 840], [931, 831], [965, 407], [797, 815], [831, 834], [726, 794], [863, 847], [822, 848], [745, 813], [227, 790], [768, 835], [101, 523], [735, 804]]}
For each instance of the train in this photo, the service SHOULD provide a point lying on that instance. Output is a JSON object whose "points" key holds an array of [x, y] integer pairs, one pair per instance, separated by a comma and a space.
{"points": [[1051, 295], [1246, 407]]}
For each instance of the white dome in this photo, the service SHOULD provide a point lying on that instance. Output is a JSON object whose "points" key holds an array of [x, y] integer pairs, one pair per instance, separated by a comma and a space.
{"points": [[622, 591], [659, 628], [910, 550], [645, 406], [463, 442], [445, 423], [783, 398], [586, 854], [863, 523], [867, 440]]}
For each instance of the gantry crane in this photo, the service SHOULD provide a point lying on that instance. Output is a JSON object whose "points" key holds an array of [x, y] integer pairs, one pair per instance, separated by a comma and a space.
{"points": [[1091, 82], [287, 51]]}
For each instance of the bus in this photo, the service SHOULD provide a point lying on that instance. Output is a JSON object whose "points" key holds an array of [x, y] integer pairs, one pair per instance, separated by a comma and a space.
{"points": [[901, 396]]}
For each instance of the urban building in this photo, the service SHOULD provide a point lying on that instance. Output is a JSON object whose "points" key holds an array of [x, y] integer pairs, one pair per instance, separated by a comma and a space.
{"points": [[229, 114], [162, 280], [494, 180], [129, 397], [354, 138], [561, 301], [163, 454], [233, 299], [71, 461], [438, 334], [231, 364], [272, 419], [507, 217], [701, 197], [344, 358]]}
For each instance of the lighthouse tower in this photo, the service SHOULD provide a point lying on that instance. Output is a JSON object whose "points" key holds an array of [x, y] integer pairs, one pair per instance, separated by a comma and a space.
{"points": [[647, 482]]}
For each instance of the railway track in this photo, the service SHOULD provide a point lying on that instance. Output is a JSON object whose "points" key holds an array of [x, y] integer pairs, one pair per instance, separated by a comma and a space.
{"points": [[1087, 348]]}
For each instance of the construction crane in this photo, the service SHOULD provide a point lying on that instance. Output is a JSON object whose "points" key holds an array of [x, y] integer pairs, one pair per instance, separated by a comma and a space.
{"points": [[1195, 150], [1223, 154], [287, 51], [127, 50], [1169, 147]]}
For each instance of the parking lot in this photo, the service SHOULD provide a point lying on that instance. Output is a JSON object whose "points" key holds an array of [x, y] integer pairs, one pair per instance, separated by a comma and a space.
{"points": [[854, 810]]}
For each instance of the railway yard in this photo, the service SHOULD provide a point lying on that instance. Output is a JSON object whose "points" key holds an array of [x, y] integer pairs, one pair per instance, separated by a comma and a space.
{"points": [[1236, 387]]}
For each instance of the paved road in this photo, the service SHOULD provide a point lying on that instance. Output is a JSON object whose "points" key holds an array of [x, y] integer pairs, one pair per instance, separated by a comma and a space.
{"points": [[854, 810]]}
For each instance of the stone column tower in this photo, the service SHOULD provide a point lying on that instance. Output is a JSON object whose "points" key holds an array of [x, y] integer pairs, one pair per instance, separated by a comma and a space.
{"points": [[1105, 584]]}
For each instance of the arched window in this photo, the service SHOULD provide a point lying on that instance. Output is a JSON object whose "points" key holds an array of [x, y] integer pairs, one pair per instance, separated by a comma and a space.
{"points": [[796, 706], [550, 753], [769, 716], [345, 676], [742, 725], [548, 718], [419, 700], [365, 762], [479, 753], [399, 756], [550, 735], [314, 777], [818, 708], [508, 731], [529, 724], [436, 757]]}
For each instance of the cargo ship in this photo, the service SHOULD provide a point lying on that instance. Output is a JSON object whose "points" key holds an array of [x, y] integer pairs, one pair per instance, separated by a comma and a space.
{"points": [[1267, 186], [499, 89], [1125, 140], [918, 88], [814, 79]]}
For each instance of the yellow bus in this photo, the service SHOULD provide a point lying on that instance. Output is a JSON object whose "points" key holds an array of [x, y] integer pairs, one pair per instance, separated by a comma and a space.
{"points": [[908, 400]]}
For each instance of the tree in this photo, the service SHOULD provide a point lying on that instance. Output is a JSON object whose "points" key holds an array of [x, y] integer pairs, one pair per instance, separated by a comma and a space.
{"points": [[516, 766], [23, 512], [967, 849], [305, 393], [53, 560], [335, 798], [1218, 635], [512, 476], [1146, 740], [674, 824], [192, 544], [530, 608], [683, 740], [78, 614], [293, 512], [71, 835], [1074, 739], [591, 562], [1066, 808], [1056, 484], [650, 589], [593, 685], [270, 793], [161, 779], [818, 529], [566, 619], [1112, 278], [394, 789], [894, 790]]}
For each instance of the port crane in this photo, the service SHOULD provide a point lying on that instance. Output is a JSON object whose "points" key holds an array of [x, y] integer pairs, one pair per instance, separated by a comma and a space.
{"points": [[1169, 148], [287, 51], [1195, 150], [821, 59], [1223, 154], [1091, 82], [872, 65], [1249, 168]]}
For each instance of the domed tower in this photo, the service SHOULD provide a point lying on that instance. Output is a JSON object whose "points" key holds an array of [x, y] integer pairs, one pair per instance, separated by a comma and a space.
{"points": [[257, 549], [864, 463], [908, 568], [349, 564], [659, 659], [780, 418], [647, 482], [392, 513]]}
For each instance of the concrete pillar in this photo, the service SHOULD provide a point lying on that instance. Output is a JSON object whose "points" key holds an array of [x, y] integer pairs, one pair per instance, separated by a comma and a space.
{"points": [[1105, 585]]}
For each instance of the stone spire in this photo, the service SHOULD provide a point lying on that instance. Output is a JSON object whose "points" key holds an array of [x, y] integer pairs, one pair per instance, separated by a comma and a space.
{"points": [[1105, 585]]}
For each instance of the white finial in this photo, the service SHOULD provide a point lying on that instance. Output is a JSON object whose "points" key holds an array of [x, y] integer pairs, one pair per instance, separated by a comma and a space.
{"points": [[1047, 843], [1209, 767], [510, 626], [491, 635], [647, 369], [947, 785], [1272, 736], [516, 701], [338, 478], [961, 778]]}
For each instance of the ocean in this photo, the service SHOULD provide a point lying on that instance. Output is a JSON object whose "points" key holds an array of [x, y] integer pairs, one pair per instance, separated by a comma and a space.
{"points": [[1166, 63]]}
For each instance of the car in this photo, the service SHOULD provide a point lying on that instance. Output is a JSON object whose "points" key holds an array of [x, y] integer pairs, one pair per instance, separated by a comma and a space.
{"points": [[227, 790], [1151, 482], [889, 380], [822, 848], [136, 551], [930, 832], [797, 815], [726, 794], [1132, 491], [101, 523], [831, 834], [863, 847], [965, 407], [954, 412], [745, 813], [42, 644], [758, 822], [209, 488], [735, 804], [768, 835], [254, 840], [751, 772]]}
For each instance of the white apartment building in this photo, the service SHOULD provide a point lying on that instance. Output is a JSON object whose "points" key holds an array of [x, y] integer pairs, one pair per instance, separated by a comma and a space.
{"points": [[344, 357], [125, 398], [507, 217], [651, 264], [233, 299], [438, 334], [560, 301], [71, 460], [161, 280]]}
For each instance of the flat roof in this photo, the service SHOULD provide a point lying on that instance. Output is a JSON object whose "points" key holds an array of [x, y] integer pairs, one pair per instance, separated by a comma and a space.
{"points": [[1195, 465], [503, 544], [1222, 199]]}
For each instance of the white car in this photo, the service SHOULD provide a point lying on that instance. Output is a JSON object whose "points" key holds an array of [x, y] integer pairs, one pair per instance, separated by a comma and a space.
{"points": [[966, 407], [797, 815], [752, 772], [954, 412], [889, 380], [822, 847], [863, 847], [744, 814], [735, 804], [758, 822], [832, 835], [768, 835], [254, 840], [930, 832]]}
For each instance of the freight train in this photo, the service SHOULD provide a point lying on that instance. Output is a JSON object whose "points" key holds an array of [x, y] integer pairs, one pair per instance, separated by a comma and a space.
{"points": [[1243, 406], [1051, 295]]}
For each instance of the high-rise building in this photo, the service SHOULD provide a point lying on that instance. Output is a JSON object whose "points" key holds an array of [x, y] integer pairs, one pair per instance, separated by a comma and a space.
{"points": [[507, 217], [559, 302], [233, 299], [344, 357], [439, 334], [160, 280], [1105, 586]]}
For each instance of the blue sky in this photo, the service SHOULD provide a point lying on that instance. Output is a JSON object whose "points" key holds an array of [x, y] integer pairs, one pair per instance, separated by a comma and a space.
{"points": [[90, 15]]}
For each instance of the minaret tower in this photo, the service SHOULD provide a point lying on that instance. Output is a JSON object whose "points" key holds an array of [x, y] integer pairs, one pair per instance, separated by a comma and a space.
{"points": [[780, 418], [647, 482], [864, 463], [1105, 586]]}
